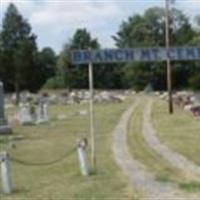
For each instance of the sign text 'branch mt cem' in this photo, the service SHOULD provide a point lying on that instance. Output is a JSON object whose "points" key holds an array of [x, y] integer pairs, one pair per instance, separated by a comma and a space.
{"points": [[138, 54]]}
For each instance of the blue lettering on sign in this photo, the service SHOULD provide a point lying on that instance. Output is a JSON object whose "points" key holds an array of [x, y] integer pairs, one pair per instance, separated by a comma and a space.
{"points": [[198, 52], [98, 57], [180, 55], [128, 55], [77, 57], [155, 53], [119, 55], [86, 56], [145, 55], [108, 55], [171, 53], [190, 53]]}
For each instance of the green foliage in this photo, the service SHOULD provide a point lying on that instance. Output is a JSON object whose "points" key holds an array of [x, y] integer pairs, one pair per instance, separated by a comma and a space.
{"points": [[55, 82], [194, 82], [46, 65], [18, 47], [75, 76], [83, 40], [148, 30], [22, 65], [190, 186]]}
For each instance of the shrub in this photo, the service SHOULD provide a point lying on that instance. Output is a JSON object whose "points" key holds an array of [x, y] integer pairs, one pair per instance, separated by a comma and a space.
{"points": [[194, 82], [55, 82]]}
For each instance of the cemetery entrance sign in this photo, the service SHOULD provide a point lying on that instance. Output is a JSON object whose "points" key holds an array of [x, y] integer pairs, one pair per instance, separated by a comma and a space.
{"points": [[138, 54], [158, 54]]}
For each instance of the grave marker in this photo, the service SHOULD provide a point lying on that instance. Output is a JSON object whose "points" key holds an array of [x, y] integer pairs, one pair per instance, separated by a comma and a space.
{"points": [[42, 113], [5, 128], [25, 116]]}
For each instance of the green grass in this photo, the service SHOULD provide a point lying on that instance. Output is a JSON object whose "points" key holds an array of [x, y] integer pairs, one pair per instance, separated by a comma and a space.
{"points": [[190, 187], [63, 180], [152, 161], [179, 131]]}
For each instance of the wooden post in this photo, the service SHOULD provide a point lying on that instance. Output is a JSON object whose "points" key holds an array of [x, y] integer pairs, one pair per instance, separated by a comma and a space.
{"points": [[169, 79], [91, 87], [6, 173], [81, 148]]}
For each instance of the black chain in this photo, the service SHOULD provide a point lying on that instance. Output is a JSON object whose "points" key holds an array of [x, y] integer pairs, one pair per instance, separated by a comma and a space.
{"points": [[26, 163]]}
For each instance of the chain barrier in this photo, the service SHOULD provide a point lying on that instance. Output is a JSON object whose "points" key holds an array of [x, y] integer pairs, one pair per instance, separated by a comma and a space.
{"points": [[26, 163]]}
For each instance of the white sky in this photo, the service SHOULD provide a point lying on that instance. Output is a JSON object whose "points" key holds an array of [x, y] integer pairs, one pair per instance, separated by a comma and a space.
{"points": [[54, 21]]}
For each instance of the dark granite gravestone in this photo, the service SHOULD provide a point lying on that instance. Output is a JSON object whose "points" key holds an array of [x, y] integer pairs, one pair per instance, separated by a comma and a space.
{"points": [[5, 128]]}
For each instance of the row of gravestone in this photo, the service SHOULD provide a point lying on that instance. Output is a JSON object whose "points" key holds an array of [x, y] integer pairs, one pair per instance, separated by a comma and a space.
{"points": [[31, 114], [74, 97], [28, 114], [185, 100]]}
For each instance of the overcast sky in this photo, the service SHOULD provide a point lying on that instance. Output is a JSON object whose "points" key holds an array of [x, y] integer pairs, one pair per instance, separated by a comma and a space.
{"points": [[54, 21]]}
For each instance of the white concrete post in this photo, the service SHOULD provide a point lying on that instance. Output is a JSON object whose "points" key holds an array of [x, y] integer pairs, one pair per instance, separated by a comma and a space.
{"points": [[6, 173], [81, 148], [92, 130]]}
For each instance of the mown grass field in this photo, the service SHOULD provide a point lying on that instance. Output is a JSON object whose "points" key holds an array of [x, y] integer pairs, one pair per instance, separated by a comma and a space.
{"points": [[152, 161], [44, 143], [142, 152], [180, 131]]}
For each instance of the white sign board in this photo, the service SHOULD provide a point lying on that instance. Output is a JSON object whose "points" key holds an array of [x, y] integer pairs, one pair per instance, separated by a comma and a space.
{"points": [[138, 54]]}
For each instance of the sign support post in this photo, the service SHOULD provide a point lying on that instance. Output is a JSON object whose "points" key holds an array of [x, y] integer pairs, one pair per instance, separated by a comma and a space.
{"points": [[169, 73], [92, 132]]}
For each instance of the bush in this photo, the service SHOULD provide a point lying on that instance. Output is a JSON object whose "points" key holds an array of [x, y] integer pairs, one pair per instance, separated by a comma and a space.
{"points": [[194, 82], [56, 82]]}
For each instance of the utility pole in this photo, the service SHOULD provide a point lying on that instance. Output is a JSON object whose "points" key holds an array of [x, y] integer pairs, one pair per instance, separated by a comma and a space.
{"points": [[169, 73], [92, 131]]}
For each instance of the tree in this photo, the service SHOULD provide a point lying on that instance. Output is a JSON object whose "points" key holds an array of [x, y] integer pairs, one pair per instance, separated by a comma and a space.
{"points": [[75, 76], [148, 30], [46, 62], [64, 67], [18, 47]]}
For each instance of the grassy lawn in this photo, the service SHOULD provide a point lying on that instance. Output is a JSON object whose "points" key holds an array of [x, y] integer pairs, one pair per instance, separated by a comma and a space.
{"points": [[179, 131], [142, 152], [152, 161], [44, 143]]}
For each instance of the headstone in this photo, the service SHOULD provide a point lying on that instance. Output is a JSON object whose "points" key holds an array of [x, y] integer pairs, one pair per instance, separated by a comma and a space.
{"points": [[188, 107], [83, 112], [53, 99], [42, 113], [25, 117], [119, 97], [5, 128]]}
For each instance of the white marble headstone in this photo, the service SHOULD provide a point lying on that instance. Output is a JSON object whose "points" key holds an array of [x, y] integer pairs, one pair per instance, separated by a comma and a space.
{"points": [[42, 113], [25, 117]]}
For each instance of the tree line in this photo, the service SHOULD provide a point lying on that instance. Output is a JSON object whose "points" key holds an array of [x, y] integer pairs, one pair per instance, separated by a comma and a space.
{"points": [[24, 67]]}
